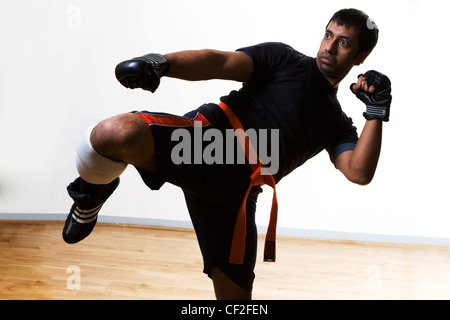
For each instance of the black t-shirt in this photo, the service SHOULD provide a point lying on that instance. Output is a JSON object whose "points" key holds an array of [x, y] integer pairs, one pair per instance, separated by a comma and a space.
{"points": [[288, 92]]}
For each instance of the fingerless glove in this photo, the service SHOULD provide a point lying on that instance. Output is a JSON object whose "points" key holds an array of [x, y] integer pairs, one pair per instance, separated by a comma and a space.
{"points": [[378, 103]]}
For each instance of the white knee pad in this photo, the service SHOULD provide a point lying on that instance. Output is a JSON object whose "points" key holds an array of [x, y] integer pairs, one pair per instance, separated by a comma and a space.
{"points": [[92, 166]]}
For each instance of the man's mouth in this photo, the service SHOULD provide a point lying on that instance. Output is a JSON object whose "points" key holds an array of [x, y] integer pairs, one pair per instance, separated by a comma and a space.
{"points": [[327, 59]]}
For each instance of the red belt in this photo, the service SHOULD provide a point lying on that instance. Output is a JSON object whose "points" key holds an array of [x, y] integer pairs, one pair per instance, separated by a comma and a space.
{"points": [[257, 179]]}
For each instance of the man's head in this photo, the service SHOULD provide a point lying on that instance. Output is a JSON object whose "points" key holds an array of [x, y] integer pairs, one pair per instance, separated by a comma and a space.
{"points": [[350, 37]]}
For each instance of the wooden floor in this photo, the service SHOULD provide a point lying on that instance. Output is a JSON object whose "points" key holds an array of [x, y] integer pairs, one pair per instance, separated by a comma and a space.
{"points": [[136, 262]]}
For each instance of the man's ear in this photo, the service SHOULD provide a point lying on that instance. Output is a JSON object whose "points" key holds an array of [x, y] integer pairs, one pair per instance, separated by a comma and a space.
{"points": [[361, 57]]}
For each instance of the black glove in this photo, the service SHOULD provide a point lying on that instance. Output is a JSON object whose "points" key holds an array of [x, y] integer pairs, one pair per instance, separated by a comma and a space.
{"points": [[143, 72], [378, 103]]}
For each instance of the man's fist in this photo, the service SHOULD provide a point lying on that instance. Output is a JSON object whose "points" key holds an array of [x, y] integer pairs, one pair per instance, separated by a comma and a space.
{"points": [[143, 72], [374, 89]]}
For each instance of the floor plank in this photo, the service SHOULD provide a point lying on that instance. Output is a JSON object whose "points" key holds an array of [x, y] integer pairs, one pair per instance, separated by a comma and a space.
{"points": [[141, 262]]}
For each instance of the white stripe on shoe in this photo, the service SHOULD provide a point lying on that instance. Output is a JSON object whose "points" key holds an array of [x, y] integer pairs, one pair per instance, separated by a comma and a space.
{"points": [[86, 216]]}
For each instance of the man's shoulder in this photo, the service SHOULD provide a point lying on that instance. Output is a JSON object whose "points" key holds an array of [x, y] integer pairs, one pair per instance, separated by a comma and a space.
{"points": [[276, 49], [270, 45]]}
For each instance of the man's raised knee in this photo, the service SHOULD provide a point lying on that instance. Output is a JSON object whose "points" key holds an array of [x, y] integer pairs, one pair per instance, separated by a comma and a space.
{"points": [[125, 137]]}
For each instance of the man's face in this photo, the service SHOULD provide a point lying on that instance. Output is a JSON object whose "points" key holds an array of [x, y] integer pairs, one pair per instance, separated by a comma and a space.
{"points": [[338, 52]]}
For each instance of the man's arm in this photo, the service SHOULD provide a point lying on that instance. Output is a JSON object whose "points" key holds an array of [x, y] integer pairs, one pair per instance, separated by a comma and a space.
{"points": [[359, 165], [210, 64], [146, 72]]}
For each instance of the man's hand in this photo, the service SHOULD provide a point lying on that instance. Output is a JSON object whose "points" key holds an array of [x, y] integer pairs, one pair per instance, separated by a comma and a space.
{"points": [[143, 72], [374, 89]]}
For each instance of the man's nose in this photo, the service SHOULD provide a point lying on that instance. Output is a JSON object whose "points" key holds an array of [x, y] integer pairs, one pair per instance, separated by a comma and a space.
{"points": [[331, 47]]}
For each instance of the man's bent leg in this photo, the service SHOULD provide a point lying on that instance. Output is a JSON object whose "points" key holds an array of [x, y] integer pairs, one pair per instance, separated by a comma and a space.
{"points": [[227, 289], [102, 156]]}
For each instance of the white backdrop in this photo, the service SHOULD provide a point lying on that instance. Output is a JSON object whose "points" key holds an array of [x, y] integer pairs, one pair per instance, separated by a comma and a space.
{"points": [[57, 62]]}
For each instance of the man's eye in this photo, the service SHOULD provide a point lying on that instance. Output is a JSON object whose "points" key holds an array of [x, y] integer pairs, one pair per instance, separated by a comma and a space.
{"points": [[345, 43], [327, 36]]}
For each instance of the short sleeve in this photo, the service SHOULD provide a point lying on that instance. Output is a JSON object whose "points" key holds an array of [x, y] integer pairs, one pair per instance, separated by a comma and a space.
{"points": [[268, 58], [346, 141]]}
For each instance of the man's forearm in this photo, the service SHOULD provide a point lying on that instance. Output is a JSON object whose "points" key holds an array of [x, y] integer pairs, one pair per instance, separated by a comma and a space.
{"points": [[364, 159], [209, 64], [193, 65]]}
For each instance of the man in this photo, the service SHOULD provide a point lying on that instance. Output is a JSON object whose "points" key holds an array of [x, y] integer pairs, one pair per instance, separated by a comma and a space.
{"points": [[283, 91]]}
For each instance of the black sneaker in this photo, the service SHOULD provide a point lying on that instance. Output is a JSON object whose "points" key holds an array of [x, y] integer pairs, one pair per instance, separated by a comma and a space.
{"points": [[83, 215]]}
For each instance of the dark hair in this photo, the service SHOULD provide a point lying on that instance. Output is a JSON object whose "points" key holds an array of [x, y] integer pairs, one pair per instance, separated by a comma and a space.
{"points": [[366, 28]]}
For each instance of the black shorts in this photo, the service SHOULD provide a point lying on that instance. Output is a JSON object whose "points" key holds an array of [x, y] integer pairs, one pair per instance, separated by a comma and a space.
{"points": [[213, 192]]}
